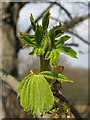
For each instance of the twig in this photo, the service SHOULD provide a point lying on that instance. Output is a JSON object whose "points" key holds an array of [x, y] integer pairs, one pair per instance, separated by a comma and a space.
{"points": [[63, 8], [79, 37], [73, 109]]}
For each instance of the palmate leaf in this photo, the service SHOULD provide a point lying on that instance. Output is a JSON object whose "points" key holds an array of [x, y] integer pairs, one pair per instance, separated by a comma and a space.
{"points": [[68, 51], [35, 93], [55, 76], [62, 40], [45, 20]]}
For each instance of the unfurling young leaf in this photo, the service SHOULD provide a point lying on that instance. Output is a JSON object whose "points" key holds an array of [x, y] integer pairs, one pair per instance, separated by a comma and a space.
{"points": [[33, 24], [27, 39], [35, 93], [54, 57], [57, 30], [46, 43], [68, 51], [38, 35], [62, 40], [56, 76], [45, 20], [52, 37]]}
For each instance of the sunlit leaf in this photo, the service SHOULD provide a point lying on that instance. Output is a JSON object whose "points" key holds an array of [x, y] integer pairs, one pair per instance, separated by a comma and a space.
{"points": [[52, 37], [35, 93], [33, 24], [62, 40], [56, 76], [29, 41], [68, 51], [45, 20], [46, 43], [54, 57]]}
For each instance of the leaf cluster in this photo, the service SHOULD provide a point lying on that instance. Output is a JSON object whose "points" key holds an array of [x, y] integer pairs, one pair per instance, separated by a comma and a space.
{"points": [[45, 42]]}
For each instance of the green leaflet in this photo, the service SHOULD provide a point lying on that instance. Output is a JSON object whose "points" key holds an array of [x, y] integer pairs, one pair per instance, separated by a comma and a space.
{"points": [[38, 35], [27, 40], [45, 20], [35, 93], [47, 56], [33, 24], [21, 85], [34, 50], [68, 51], [52, 37], [57, 30], [46, 43], [40, 52], [54, 57], [56, 76], [62, 40]]}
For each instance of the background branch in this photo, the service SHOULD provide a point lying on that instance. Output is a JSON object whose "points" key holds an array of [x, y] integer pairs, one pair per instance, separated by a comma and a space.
{"points": [[13, 83], [79, 37]]}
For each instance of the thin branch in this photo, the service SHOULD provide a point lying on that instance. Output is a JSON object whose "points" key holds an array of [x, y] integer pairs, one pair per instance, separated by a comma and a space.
{"points": [[74, 21], [73, 109], [71, 44], [13, 83], [79, 37], [63, 8], [40, 16]]}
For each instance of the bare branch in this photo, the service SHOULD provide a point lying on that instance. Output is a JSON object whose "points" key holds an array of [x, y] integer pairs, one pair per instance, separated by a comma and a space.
{"points": [[73, 22], [85, 41], [63, 8], [13, 83]]}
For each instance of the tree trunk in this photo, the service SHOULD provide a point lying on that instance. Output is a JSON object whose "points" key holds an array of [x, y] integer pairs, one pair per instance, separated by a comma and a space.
{"points": [[11, 107]]}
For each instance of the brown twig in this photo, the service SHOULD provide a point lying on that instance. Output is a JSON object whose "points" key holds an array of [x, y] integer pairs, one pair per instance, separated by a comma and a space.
{"points": [[79, 37]]}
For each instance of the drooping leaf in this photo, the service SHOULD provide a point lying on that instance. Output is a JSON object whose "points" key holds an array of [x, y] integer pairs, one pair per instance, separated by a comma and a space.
{"points": [[38, 35], [62, 40], [35, 93], [68, 51], [45, 20], [33, 24], [52, 37], [34, 50], [47, 56], [56, 76], [54, 57]]}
